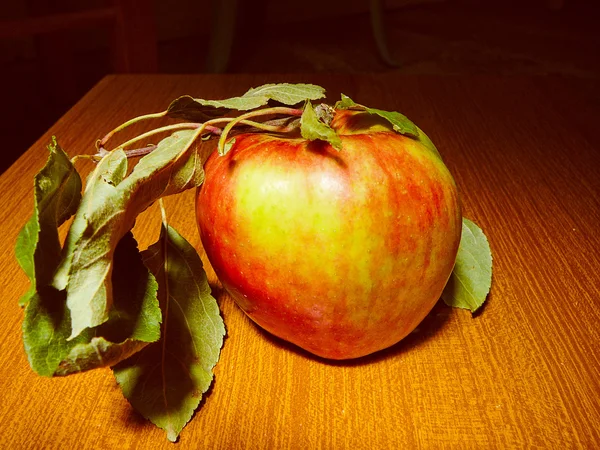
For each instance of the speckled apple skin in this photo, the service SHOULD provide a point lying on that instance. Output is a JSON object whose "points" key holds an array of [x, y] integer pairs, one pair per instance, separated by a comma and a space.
{"points": [[342, 253]]}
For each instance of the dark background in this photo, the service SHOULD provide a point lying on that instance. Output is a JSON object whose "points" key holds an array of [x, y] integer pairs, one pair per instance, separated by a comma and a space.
{"points": [[43, 74]]}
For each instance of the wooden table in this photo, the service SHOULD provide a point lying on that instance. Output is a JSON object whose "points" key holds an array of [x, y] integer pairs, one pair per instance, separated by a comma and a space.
{"points": [[523, 373]]}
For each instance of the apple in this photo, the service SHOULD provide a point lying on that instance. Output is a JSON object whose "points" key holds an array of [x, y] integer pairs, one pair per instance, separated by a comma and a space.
{"points": [[342, 253]]}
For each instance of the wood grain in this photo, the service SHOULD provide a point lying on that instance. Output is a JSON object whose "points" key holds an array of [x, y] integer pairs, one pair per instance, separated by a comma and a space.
{"points": [[523, 373]]}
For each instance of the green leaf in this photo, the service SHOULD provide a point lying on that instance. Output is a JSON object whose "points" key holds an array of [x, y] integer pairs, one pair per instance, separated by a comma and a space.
{"points": [[109, 172], [136, 312], [164, 172], [347, 103], [108, 210], [188, 108], [46, 327], [400, 123], [57, 193], [134, 321], [24, 252], [198, 109], [165, 381], [288, 94], [424, 139], [312, 128], [89, 247], [471, 278]]}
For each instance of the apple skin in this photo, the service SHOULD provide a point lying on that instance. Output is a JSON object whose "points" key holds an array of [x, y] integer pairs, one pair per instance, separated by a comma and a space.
{"points": [[342, 253]]}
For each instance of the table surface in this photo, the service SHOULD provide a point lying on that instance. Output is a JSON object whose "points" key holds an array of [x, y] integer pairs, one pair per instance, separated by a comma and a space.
{"points": [[522, 373]]}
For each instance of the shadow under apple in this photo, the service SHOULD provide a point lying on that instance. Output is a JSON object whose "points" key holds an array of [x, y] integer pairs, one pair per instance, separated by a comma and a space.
{"points": [[429, 327]]}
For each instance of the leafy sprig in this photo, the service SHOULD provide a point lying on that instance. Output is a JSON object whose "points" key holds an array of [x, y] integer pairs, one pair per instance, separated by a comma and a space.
{"points": [[97, 301]]}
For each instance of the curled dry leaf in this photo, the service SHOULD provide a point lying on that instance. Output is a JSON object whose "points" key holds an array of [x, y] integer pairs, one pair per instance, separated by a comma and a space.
{"points": [[134, 321], [110, 205], [57, 193]]}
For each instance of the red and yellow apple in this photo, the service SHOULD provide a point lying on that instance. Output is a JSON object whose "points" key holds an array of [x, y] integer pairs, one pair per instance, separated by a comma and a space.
{"points": [[342, 253]]}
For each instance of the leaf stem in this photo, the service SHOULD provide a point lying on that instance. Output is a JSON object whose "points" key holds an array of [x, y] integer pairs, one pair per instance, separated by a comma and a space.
{"points": [[102, 142], [197, 133], [176, 126], [163, 212], [76, 158], [209, 126], [135, 152], [267, 127], [243, 117], [165, 246], [271, 126]]}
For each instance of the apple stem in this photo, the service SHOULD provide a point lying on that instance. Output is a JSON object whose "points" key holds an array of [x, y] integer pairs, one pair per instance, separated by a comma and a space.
{"points": [[260, 112]]}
